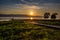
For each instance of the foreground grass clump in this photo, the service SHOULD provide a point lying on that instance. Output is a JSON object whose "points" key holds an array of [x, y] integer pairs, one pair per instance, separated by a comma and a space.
{"points": [[23, 30]]}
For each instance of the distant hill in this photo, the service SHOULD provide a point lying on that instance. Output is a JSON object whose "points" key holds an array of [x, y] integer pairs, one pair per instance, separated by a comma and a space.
{"points": [[12, 15], [16, 15]]}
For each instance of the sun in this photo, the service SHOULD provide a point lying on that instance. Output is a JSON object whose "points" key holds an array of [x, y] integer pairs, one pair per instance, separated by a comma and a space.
{"points": [[31, 13]]}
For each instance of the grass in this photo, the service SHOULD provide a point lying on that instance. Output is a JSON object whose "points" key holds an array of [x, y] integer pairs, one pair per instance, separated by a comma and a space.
{"points": [[22, 30], [50, 22]]}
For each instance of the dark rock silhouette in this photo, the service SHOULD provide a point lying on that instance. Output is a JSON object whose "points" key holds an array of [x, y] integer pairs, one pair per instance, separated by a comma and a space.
{"points": [[46, 15], [53, 16]]}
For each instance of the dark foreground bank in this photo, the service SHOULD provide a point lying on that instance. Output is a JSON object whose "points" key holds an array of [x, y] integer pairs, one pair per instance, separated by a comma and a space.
{"points": [[23, 30]]}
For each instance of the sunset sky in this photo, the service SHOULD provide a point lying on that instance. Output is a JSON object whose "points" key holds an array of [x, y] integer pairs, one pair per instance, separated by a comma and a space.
{"points": [[38, 7]]}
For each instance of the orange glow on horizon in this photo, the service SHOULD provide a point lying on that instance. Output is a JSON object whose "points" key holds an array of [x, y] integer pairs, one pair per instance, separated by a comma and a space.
{"points": [[31, 13]]}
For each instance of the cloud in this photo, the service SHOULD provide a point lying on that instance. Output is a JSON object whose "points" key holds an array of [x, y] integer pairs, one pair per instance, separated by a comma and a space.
{"points": [[8, 2], [19, 8], [31, 6], [25, 6]]}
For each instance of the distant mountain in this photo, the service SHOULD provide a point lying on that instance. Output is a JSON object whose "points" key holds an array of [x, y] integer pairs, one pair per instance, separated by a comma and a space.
{"points": [[12, 15], [16, 15]]}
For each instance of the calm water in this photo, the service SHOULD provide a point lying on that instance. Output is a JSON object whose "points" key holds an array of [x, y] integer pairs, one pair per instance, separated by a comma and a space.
{"points": [[9, 18]]}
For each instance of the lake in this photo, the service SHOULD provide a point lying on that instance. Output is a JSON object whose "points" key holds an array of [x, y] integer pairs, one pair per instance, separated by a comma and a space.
{"points": [[9, 18]]}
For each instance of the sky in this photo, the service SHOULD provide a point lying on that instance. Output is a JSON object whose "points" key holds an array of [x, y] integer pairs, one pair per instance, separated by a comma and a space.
{"points": [[38, 7]]}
